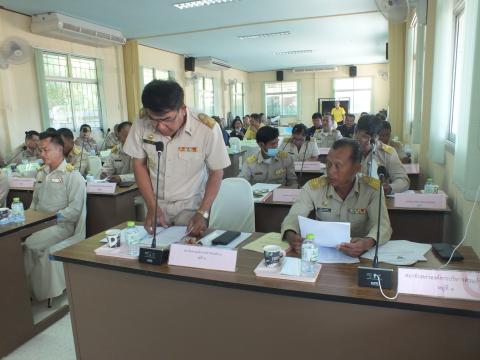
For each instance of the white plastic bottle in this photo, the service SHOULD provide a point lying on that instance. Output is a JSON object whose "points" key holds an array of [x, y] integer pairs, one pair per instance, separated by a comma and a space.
{"points": [[309, 254], [18, 212], [132, 239]]}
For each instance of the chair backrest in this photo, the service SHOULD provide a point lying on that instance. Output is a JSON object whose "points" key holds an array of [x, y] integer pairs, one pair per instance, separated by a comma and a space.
{"points": [[233, 209], [94, 165]]}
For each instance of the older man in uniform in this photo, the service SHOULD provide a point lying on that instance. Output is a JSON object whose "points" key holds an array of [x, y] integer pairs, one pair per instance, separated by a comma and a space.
{"points": [[192, 162], [85, 139], [342, 196], [376, 153], [328, 135], [269, 165], [384, 136], [74, 154], [29, 150], [58, 188], [119, 166], [299, 146]]}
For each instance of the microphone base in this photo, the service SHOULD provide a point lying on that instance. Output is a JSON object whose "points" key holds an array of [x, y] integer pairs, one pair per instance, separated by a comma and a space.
{"points": [[153, 256], [366, 277]]}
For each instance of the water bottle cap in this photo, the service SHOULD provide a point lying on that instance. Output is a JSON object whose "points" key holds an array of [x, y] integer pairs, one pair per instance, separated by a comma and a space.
{"points": [[130, 223], [310, 237], [16, 199]]}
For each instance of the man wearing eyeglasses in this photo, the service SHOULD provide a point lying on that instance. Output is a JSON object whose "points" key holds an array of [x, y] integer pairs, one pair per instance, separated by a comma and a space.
{"points": [[192, 162]]}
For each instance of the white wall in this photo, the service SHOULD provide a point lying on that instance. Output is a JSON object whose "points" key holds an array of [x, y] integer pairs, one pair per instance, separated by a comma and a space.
{"points": [[19, 95]]}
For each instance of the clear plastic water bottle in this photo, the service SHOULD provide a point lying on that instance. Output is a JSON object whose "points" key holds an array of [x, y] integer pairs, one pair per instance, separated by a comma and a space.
{"points": [[132, 239], [428, 188], [18, 212], [309, 254], [90, 178]]}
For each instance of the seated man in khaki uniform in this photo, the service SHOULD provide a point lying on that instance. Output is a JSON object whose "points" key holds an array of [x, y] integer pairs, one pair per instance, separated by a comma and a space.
{"points": [[300, 146], [86, 140], [111, 139], [384, 136], [376, 153], [328, 135], [119, 166], [269, 165], [342, 196], [59, 188], [29, 150], [74, 154], [4, 187]]}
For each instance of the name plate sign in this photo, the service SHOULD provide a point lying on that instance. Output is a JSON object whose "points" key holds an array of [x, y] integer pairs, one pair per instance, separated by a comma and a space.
{"points": [[420, 200], [203, 257], [309, 166], [286, 195], [323, 151], [412, 168], [448, 284], [21, 183], [101, 188]]}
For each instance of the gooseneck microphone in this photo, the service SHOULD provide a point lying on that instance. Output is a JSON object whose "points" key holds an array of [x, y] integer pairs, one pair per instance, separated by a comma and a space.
{"points": [[307, 140], [104, 137], [382, 172], [24, 147], [159, 148], [373, 151], [84, 130]]}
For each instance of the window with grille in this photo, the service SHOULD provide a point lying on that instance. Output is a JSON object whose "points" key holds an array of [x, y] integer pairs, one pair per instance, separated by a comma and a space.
{"points": [[281, 98], [358, 90], [149, 74], [204, 95], [237, 99]]}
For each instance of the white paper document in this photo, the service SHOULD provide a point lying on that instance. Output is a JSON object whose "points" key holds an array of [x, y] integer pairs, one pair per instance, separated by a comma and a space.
{"points": [[399, 252], [165, 237], [329, 234], [330, 255]]}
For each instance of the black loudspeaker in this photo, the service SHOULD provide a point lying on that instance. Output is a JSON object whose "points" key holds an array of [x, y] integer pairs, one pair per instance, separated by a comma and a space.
{"points": [[352, 71], [280, 75], [189, 64]]}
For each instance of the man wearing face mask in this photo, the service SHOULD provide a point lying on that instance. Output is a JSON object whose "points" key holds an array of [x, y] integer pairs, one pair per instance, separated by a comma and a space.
{"points": [[191, 164], [299, 147], [269, 165]]}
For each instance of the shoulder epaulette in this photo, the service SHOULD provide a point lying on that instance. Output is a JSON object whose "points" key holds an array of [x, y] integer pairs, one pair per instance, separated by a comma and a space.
{"points": [[76, 150], [318, 182], [114, 149], [70, 167], [207, 120], [282, 154], [251, 159], [387, 148], [372, 182], [142, 113]]}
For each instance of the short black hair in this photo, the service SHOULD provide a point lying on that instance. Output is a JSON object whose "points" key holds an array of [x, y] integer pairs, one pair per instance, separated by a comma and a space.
{"points": [[356, 155], [30, 134], [66, 133], [299, 129], [123, 125], [54, 137], [317, 115], [50, 129], [351, 115], [266, 134], [85, 126], [371, 124], [162, 96], [255, 117], [386, 125]]}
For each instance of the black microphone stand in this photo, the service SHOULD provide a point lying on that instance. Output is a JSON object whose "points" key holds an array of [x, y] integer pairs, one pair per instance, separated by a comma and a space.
{"points": [[154, 240], [307, 139], [375, 258], [16, 155], [104, 138]]}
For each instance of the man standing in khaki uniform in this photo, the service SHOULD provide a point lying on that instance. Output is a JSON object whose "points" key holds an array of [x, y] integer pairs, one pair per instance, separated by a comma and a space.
{"points": [[74, 154], [328, 135], [61, 189], [299, 146], [342, 196], [192, 162], [119, 166], [269, 166], [366, 133]]}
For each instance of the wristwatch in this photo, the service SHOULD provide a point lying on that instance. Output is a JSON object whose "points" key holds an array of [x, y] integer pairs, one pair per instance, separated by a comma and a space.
{"points": [[204, 214]]}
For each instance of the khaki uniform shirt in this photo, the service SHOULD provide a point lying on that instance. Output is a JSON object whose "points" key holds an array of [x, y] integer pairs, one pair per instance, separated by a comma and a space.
{"points": [[387, 156], [88, 144], [61, 190], [298, 155], [111, 140], [74, 158], [326, 139], [27, 155], [197, 147], [360, 207], [4, 186], [399, 148], [279, 170], [119, 163]]}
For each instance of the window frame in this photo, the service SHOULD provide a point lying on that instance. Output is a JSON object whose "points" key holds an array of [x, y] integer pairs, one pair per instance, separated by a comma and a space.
{"points": [[233, 98], [353, 90], [297, 93], [200, 97], [156, 72], [42, 85], [459, 10]]}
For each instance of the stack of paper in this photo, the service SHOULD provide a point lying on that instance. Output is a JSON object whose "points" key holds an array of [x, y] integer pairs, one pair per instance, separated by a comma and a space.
{"points": [[262, 191], [328, 236], [267, 239], [165, 236], [399, 252]]}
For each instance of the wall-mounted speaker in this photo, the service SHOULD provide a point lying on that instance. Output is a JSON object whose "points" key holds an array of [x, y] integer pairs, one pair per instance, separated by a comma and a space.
{"points": [[189, 64], [352, 70], [280, 75]]}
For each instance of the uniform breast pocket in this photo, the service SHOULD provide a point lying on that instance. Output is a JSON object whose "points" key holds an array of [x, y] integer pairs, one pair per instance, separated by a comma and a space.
{"points": [[325, 214], [358, 223], [189, 156], [118, 165]]}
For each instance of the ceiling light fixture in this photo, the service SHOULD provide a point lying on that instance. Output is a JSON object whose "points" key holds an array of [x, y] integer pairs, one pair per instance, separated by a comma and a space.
{"points": [[258, 36], [199, 3], [294, 52]]}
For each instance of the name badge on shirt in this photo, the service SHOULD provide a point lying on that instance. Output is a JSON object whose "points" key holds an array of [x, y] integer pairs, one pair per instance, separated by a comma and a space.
{"points": [[357, 211], [151, 142], [118, 160], [56, 180], [322, 210], [280, 171], [193, 149]]}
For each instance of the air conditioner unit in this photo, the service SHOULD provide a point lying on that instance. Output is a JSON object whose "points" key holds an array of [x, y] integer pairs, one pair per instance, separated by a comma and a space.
{"points": [[307, 69], [211, 63], [68, 28]]}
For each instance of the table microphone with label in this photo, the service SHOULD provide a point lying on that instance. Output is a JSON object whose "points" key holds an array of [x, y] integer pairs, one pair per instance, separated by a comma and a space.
{"points": [[307, 139], [24, 147]]}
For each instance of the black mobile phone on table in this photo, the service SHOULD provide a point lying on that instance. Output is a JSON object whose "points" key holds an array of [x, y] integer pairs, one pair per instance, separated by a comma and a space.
{"points": [[226, 238], [445, 251]]}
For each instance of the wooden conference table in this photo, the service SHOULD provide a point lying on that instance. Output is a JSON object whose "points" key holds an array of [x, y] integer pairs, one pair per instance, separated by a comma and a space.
{"points": [[16, 317], [103, 210], [122, 309], [419, 225]]}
